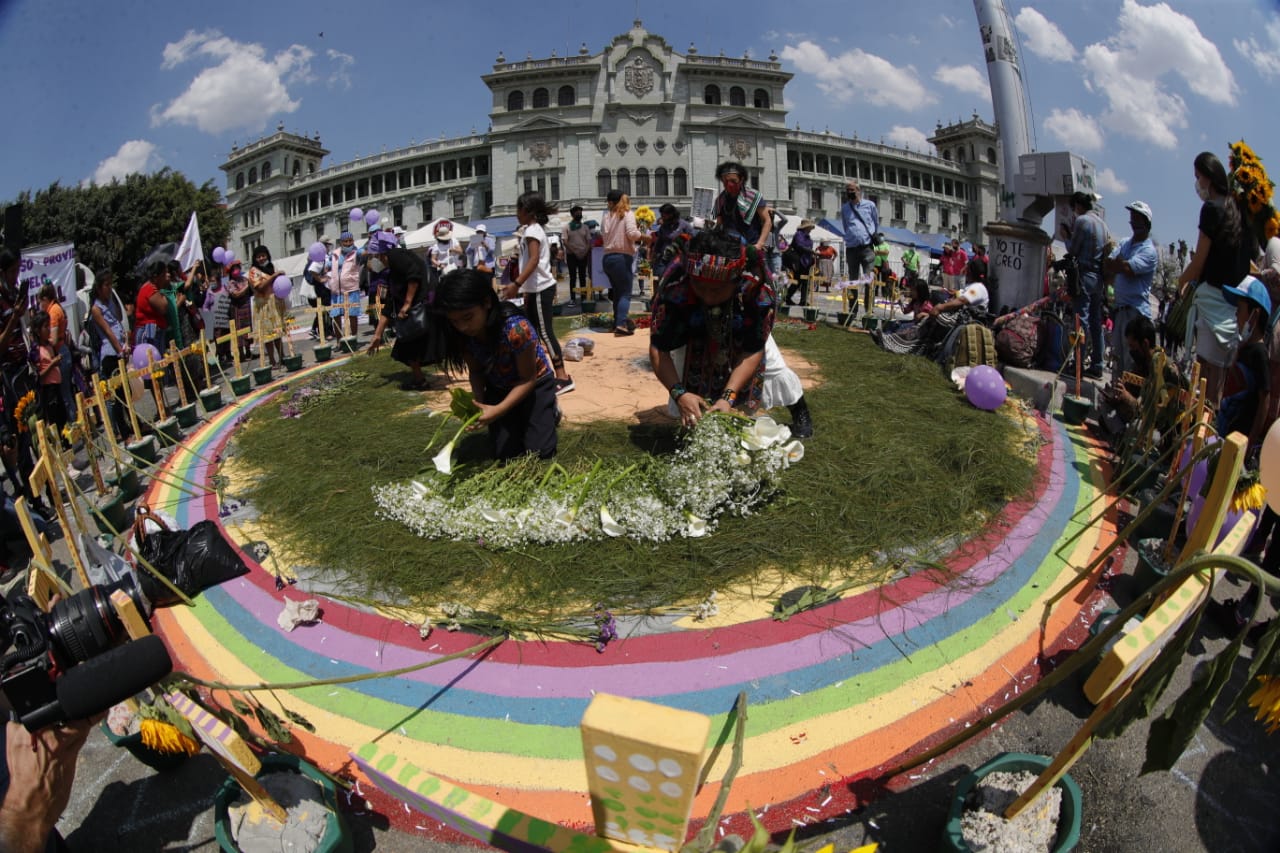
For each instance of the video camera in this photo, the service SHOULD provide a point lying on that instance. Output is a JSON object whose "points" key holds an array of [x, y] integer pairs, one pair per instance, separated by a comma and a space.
{"points": [[74, 661]]}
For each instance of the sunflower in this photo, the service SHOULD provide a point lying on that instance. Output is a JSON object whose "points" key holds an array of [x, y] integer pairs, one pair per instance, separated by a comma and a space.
{"points": [[1267, 700], [20, 411], [645, 216], [165, 737]]}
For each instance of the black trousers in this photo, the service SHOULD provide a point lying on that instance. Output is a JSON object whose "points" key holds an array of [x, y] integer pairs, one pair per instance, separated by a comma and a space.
{"points": [[579, 270]]}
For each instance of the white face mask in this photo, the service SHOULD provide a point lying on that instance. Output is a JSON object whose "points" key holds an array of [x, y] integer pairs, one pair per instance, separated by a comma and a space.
{"points": [[1245, 332], [1202, 191], [376, 265]]}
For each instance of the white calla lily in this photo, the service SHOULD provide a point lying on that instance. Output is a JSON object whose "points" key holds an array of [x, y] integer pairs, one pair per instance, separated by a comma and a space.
{"points": [[418, 488], [444, 459], [742, 458], [566, 517], [794, 451], [695, 527], [608, 524], [769, 432], [493, 516]]}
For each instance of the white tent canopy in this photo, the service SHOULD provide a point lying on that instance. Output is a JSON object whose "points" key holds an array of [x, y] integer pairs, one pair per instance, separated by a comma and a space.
{"points": [[426, 235], [819, 235]]}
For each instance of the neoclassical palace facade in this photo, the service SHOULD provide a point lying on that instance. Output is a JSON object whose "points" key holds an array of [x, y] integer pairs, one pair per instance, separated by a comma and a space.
{"points": [[639, 116]]}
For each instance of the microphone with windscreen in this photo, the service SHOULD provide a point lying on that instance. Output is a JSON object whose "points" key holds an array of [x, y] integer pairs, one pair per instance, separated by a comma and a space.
{"points": [[94, 686]]}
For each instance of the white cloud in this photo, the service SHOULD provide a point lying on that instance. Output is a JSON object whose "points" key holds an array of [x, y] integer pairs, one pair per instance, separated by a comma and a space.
{"points": [[1043, 38], [856, 75], [1075, 130], [1108, 182], [133, 157], [340, 77], [909, 137], [1128, 69], [243, 90], [964, 78], [1264, 57]]}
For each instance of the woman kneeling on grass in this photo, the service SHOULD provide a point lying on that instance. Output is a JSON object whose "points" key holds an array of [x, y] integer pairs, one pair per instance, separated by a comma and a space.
{"points": [[511, 374]]}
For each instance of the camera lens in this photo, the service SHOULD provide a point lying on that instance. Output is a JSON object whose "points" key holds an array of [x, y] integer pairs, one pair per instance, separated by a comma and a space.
{"points": [[84, 625]]}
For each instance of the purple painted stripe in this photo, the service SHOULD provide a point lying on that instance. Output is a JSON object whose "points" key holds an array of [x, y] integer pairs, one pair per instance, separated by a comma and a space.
{"points": [[664, 677]]}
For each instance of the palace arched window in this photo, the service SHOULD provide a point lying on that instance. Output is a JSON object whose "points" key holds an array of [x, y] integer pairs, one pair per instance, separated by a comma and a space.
{"points": [[515, 101], [737, 97], [253, 174], [624, 180], [681, 179], [566, 97], [541, 98], [761, 99], [660, 181], [604, 182], [711, 95], [266, 170], [239, 180], [642, 181]]}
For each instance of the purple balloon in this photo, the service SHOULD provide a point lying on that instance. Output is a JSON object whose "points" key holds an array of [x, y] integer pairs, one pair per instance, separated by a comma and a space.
{"points": [[357, 215], [1193, 515], [984, 387], [140, 359], [219, 254], [316, 252], [1200, 472], [282, 287], [371, 218], [228, 257]]}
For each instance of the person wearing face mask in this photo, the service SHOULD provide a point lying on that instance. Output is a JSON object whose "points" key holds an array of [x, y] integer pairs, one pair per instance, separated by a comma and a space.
{"points": [[576, 239], [861, 220], [1220, 260], [1248, 381], [407, 285], [1134, 265], [344, 283], [446, 253]]}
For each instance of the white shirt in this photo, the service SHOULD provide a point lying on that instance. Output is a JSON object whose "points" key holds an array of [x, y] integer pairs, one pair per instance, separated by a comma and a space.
{"points": [[442, 254], [975, 294], [542, 277]]}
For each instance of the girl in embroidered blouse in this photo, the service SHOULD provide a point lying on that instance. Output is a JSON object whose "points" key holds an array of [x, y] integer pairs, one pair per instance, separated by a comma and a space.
{"points": [[511, 374]]}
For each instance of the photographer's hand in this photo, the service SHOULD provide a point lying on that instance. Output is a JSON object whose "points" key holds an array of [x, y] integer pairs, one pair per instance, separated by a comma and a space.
{"points": [[42, 769]]}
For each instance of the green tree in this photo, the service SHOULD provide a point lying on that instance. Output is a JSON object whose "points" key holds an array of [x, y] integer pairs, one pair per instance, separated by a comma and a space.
{"points": [[117, 224]]}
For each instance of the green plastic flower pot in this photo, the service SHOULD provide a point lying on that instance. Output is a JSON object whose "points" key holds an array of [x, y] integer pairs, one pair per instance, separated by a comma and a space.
{"points": [[261, 375], [187, 415], [323, 353], [1075, 409], [211, 400], [293, 363], [1150, 569], [336, 838], [1159, 522], [1014, 762], [870, 323], [240, 385], [126, 483], [143, 450], [168, 431], [588, 306], [109, 514], [160, 761], [811, 315], [349, 344], [842, 318]]}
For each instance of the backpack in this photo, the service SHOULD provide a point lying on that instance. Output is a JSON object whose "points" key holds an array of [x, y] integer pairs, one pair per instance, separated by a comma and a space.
{"points": [[967, 346], [1018, 342], [1055, 343]]}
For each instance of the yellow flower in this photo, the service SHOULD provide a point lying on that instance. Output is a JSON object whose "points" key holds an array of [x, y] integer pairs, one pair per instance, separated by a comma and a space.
{"points": [[164, 737], [1252, 497], [1267, 700]]}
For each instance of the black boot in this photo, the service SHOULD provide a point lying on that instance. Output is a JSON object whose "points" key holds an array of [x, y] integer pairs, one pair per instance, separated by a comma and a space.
{"points": [[801, 420]]}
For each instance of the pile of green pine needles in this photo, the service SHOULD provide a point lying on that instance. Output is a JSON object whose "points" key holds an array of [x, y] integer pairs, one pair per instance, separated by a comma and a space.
{"points": [[900, 468]]}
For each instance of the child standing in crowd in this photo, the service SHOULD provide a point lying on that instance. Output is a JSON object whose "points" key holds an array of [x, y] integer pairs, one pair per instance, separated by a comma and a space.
{"points": [[1248, 380], [48, 372], [535, 281], [217, 302], [511, 374], [241, 295]]}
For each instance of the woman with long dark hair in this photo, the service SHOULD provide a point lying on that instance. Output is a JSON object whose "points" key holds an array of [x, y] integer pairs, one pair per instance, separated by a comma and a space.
{"points": [[1221, 259], [510, 372]]}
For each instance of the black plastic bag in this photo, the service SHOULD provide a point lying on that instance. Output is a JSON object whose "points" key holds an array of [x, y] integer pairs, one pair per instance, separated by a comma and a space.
{"points": [[193, 560]]}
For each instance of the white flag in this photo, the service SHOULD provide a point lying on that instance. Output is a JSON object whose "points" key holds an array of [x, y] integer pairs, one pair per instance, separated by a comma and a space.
{"points": [[191, 250]]}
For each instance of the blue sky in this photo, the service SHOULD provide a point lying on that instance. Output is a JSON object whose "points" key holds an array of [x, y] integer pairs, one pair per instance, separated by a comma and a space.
{"points": [[101, 89]]}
